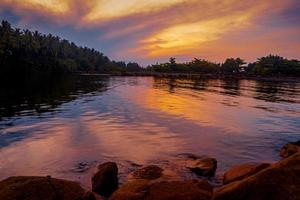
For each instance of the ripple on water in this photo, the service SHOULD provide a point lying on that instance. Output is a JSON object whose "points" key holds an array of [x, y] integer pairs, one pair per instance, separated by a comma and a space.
{"points": [[69, 129]]}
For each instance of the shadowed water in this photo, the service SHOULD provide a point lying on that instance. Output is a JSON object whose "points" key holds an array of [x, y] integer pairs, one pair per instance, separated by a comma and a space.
{"points": [[66, 127]]}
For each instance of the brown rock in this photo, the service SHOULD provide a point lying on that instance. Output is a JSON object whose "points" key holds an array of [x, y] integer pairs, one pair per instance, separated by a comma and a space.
{"points": [[175, 190], [191, 190], [290, 149], [133, 190], [240, 172], [203, 166], [91, 196], [280, 181], [154, 172], [150, 173], [37, 188], [105, 181]]}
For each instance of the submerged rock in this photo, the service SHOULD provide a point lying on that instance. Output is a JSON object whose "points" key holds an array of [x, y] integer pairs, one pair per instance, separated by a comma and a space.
{"points": [[203, 166], [174, 190], [105, 181], [276, 182], [154, 173], [150, 173], [290, 149], [242, 171], [45, 188]]}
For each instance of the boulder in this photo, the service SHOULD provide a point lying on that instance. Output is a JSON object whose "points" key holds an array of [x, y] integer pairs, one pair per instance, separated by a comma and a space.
{"points": [[133, 190], [290, 149], [203, 166], [174, 190], [105, 181], [91, 196], [37, 188], [242, 171], [280, 181]]}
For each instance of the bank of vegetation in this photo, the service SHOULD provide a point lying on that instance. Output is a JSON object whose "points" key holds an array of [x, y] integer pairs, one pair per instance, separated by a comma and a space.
{"points": [[25, 53], [271, 65]]}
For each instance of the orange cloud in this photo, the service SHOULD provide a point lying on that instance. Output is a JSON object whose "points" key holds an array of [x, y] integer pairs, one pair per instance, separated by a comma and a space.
{"points": [[104, 9], [154, 28]]}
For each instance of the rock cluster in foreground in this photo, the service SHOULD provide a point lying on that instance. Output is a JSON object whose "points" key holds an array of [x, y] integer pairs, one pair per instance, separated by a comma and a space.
{"points": [[43, 188], [249, 181]]}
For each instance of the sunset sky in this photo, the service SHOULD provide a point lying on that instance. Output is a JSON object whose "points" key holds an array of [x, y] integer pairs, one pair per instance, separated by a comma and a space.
{"points": [[149, 31]]}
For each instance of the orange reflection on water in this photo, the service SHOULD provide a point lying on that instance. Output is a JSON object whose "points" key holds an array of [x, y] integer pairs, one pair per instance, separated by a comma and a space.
{"points": [[204, 107], [137, 142]]}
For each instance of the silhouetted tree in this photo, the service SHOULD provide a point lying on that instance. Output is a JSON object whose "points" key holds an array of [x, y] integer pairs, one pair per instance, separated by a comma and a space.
{"points": [[26, 53], [232, 65], [275, 65]]}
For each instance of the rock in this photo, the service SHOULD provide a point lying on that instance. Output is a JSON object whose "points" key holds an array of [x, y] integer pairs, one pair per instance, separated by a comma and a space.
{"points": [[279, 181], [105, 181], [191, 190], [37, 188], [175, 190], [290, 149], [150, 173], [242, 171], [154, 172], [91, 196], [133, 190], [203, 166]]}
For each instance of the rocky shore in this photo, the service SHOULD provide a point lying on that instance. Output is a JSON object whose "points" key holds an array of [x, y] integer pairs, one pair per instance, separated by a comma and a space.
{"points": [[248, 181]]}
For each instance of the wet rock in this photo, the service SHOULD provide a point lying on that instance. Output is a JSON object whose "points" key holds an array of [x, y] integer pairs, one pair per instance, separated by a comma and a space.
{"points": [[279, 181], [290, 149], [203, 166], [91, 196], [154, 173], [133, 190], [37, 188], [242, 171], [150, 173], [174, 190], [105, 181]]}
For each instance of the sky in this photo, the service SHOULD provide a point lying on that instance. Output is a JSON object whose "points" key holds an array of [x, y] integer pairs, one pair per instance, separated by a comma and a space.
{"points": [[150, 31]]}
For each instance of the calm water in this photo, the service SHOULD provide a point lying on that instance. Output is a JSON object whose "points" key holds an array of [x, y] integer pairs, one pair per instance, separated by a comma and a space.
{"points": [[66, 127]]}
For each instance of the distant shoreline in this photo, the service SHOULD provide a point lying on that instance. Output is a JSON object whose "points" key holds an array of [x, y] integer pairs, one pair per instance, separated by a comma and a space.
{"points": [[198, 76]]}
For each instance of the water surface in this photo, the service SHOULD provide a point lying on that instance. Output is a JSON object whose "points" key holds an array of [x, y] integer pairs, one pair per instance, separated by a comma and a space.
{"points": [[66, 127]]}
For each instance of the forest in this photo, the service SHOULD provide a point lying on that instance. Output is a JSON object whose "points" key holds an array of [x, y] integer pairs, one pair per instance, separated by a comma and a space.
{"points": [[271, 65], [25, 53]]}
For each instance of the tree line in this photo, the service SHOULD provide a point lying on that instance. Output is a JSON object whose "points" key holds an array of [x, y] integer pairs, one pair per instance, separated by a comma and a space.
{"points": [[271, 65], [26, 52]]}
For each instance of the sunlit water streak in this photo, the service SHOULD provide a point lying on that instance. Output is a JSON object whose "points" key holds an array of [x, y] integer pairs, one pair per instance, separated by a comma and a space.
{"points": [[138, 121]]}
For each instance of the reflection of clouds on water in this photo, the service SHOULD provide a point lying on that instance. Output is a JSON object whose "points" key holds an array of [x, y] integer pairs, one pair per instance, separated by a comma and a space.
{"points": [[138, 121]]}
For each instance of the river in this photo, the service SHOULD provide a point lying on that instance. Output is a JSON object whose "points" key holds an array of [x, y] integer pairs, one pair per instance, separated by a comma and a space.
{"points": [[66, 127]]}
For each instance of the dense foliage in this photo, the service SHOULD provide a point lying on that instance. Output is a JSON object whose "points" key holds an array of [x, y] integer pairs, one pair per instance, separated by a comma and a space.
{"points": [[274, 65], [266, 66], [195, 66], [25, 53]]}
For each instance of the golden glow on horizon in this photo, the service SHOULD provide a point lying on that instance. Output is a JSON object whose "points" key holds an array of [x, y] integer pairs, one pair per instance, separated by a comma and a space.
{"points": [[191, 36]]}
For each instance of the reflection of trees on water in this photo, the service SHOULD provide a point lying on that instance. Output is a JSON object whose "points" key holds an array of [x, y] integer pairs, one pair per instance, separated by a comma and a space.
{"points": [[40, 95], [170, 84], [277, 91], [264, 90], [231, 87]]}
